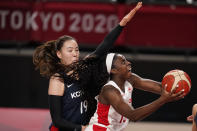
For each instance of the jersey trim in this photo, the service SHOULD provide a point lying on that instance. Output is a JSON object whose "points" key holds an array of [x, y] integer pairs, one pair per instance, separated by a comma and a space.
{"points": [[103, 112]]}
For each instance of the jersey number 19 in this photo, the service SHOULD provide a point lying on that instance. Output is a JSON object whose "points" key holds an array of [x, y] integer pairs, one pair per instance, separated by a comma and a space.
{"points": [[84, 106]]}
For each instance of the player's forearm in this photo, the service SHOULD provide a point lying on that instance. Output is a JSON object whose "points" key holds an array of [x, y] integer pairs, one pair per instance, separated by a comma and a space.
{"points": [[128, 17], [150, 86], [145, 84], [108, 41], [65, 125], [144, 111], [56, 115], [113, 35], [153, 86]]}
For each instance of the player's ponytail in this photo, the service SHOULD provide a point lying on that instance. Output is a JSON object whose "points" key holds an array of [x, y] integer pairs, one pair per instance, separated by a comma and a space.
{"points": [[45, 59]]}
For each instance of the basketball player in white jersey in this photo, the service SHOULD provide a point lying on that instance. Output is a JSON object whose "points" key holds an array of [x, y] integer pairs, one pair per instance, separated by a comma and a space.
{"points": [[114, 108]]}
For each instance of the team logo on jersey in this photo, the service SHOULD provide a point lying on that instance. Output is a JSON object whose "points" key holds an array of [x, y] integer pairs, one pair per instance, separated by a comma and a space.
{"points": [[76, 94], [130, 100], [69, 85], [130, 89]]}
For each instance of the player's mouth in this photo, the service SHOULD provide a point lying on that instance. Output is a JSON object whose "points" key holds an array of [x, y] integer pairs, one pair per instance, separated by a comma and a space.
{"points": [[129, 68], [75, 60]]}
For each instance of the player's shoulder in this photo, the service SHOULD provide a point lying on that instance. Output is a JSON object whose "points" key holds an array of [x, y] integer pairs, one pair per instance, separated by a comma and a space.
{"points": [[55, 77], [56, 86], [108, 89]]}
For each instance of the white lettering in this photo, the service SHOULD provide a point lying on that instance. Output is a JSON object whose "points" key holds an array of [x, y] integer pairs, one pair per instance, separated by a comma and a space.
{"points": [[84, 106], [30, 21], [87, 23], [45, 20], [101, 22], [73, 95], [34, 21], [3, 15], [76, 94], [61, 18], [74, 27], [16, 16]]}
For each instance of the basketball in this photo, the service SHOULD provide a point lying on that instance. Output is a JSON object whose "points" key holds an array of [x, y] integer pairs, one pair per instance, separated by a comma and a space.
{"points": [[177, 79]]}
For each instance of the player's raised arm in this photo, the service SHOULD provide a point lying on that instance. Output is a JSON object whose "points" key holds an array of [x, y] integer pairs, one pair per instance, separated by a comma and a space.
{"points": [[130, 15], [110, 39]]}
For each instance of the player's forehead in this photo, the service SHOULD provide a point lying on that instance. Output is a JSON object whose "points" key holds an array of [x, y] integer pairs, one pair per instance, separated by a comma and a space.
{"points": [[70, 44], [120, 58]]}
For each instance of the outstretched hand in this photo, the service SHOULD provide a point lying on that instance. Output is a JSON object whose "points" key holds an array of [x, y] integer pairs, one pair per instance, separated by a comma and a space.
{"points": [[130, 15], [190, 118], [138, 6], [172, 96]]}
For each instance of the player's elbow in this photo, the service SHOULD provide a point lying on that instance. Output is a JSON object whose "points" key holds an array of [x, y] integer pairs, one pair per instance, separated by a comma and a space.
{"points": [[134, 120]]}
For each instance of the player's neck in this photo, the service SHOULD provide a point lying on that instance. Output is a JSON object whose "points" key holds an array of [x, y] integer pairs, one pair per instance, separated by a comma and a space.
{"points": [[120, 82]]}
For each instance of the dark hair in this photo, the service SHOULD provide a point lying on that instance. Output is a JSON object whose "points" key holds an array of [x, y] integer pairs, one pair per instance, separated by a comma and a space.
{"points": [[91, 74], [45, 58]]}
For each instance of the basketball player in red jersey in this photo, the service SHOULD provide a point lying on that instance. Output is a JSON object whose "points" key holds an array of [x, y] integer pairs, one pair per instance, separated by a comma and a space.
{"points": [[114, 108]]}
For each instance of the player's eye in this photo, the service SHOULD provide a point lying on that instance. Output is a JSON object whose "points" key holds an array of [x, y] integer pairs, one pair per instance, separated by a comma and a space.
{"points": [[77, 49], [123, 61], [70, 50]]}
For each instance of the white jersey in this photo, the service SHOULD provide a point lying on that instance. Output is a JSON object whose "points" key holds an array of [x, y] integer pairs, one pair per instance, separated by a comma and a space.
{"points": [[106, 118]]}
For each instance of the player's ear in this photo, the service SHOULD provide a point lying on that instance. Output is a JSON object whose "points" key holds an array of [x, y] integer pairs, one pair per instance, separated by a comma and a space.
{"points": [[114, 71], [59, 55]]}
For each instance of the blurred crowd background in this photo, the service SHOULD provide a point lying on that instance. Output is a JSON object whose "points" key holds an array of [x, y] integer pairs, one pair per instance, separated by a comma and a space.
{"points": [[161, 37]]}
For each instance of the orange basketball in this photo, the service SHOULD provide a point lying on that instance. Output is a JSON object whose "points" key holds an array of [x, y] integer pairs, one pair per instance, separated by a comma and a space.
{"points": [[177, 79]]}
